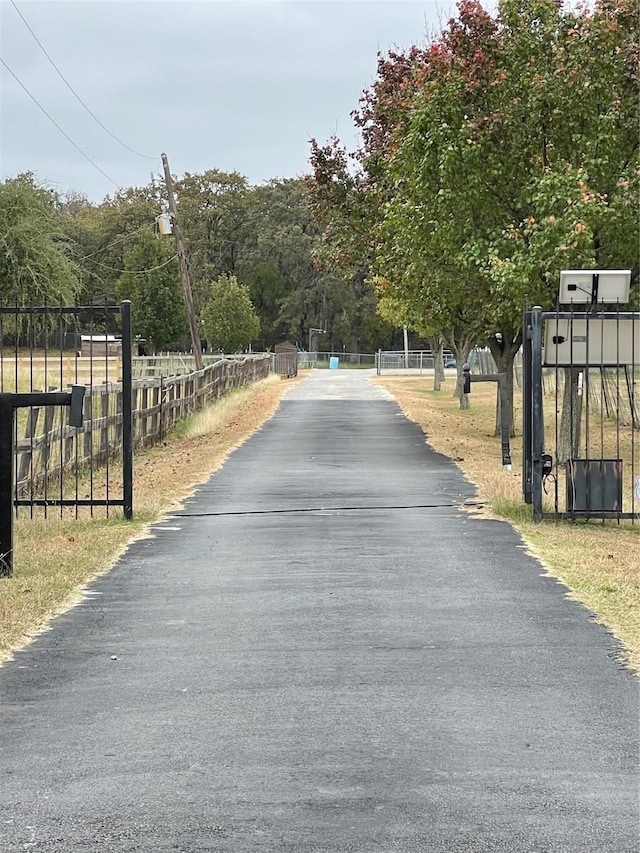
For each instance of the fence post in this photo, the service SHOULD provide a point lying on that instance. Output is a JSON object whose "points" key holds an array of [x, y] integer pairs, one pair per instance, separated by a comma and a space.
{"points": [[26, 457]]}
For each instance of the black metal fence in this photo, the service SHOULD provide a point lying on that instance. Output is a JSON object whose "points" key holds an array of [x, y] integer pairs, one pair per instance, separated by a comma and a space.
{"points": [[581, 433], [56, 465]]}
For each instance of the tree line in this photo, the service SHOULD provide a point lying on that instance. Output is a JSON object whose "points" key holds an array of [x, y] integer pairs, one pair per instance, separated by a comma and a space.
{"points": [[251, 251], [498, 153]]}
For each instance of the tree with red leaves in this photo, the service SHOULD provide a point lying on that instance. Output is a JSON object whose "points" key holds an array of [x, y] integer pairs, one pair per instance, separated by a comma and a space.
{"points": [[503, 152]]}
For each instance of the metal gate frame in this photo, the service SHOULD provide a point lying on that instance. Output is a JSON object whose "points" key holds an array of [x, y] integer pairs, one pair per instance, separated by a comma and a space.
{"points": [[90, 375], [537, 465]]}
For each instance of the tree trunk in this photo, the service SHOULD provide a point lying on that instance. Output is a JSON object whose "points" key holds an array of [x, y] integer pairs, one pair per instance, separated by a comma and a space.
{"points": [[461, 350], [569, 433], [504, 350], [437, 347]]}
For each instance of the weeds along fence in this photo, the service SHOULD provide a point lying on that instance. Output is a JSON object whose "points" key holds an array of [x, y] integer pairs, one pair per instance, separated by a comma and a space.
{"points": [[162, 401], [47, 446]]}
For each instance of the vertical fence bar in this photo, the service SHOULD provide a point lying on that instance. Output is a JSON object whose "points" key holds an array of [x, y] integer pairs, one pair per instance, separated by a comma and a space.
{"points": [[127, 439], [619, 413], [92, 398], [63, 412], [49, 413], [78, 346], [106, 406], [537, 424], [583, 391], [635, 367]]}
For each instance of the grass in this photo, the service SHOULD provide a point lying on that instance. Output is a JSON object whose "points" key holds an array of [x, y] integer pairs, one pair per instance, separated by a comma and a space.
{"points": [[56, 371], [600, 563], [56, 557]]}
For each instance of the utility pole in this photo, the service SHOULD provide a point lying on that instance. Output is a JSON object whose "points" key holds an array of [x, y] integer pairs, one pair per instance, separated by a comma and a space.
{"points": [[184, 269]]}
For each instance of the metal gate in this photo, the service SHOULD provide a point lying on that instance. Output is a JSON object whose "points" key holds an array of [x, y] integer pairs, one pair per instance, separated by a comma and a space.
{"points": [[581, 419], [55, 460]]}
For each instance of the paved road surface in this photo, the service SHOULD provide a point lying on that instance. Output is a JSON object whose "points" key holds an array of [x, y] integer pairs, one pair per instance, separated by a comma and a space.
{"points": [[323, 653]]}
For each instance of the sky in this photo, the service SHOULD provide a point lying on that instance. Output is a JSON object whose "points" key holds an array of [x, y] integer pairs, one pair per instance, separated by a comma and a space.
{"points": [[237, 85]]}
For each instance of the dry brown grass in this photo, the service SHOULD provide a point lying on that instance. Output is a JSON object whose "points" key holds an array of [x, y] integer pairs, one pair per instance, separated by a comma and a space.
{"points": [[599, 563], [53, 371], [56, 557]]}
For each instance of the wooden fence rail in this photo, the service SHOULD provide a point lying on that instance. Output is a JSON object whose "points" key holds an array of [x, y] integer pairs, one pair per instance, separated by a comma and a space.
{"points": [[48, 444]]}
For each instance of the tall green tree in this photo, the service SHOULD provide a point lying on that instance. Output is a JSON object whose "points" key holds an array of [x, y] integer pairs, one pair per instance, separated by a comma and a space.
{"points": [[503, 171], [99, 236], [152, 282], [277, 262], [228, 318], [217, 223], [35, 267], [502, 152]]}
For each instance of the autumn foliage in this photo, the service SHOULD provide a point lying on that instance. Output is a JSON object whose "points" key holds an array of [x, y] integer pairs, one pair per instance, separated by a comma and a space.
{"points": [[503, 150]]}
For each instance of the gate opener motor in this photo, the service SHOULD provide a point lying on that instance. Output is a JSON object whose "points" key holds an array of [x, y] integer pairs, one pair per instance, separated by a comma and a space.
{"points": [[8, 404], [505, 426]]}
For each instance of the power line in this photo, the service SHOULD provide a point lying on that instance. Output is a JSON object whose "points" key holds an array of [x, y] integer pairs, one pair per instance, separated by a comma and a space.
{"points": [[115, 243], [74, 93], [54, 122]]}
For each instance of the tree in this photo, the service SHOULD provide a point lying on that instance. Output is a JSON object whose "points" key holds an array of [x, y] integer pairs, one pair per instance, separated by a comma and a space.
{"points": [[217, 221], [228, 317], [152, 282], [100, 235], [35, 267], [277, 262], [502, 174], [502, 152], [267, 291]]}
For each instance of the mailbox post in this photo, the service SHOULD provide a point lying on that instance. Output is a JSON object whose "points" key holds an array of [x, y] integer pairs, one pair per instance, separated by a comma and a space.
{"points": [[8, 405]]}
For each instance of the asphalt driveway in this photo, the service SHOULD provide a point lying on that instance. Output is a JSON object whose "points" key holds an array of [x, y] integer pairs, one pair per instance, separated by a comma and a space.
{"points": [[323, 652]]}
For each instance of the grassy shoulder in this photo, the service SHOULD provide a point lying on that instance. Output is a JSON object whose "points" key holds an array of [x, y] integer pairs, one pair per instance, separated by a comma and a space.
{"points": [[56, 557], [599, 563]]}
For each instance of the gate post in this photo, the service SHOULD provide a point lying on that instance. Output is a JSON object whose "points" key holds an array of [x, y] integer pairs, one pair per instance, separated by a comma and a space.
{"points": [[537, 422], [526, 408], [6, 486], [127, 414]]}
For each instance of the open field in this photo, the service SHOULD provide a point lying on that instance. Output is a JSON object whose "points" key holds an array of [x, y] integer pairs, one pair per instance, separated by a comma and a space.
{"points": [[41, 373], [600, 563]]}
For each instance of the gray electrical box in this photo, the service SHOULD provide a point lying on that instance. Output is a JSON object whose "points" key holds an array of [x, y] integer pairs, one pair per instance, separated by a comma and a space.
{"points": [[594, 485], [592, 341]]}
